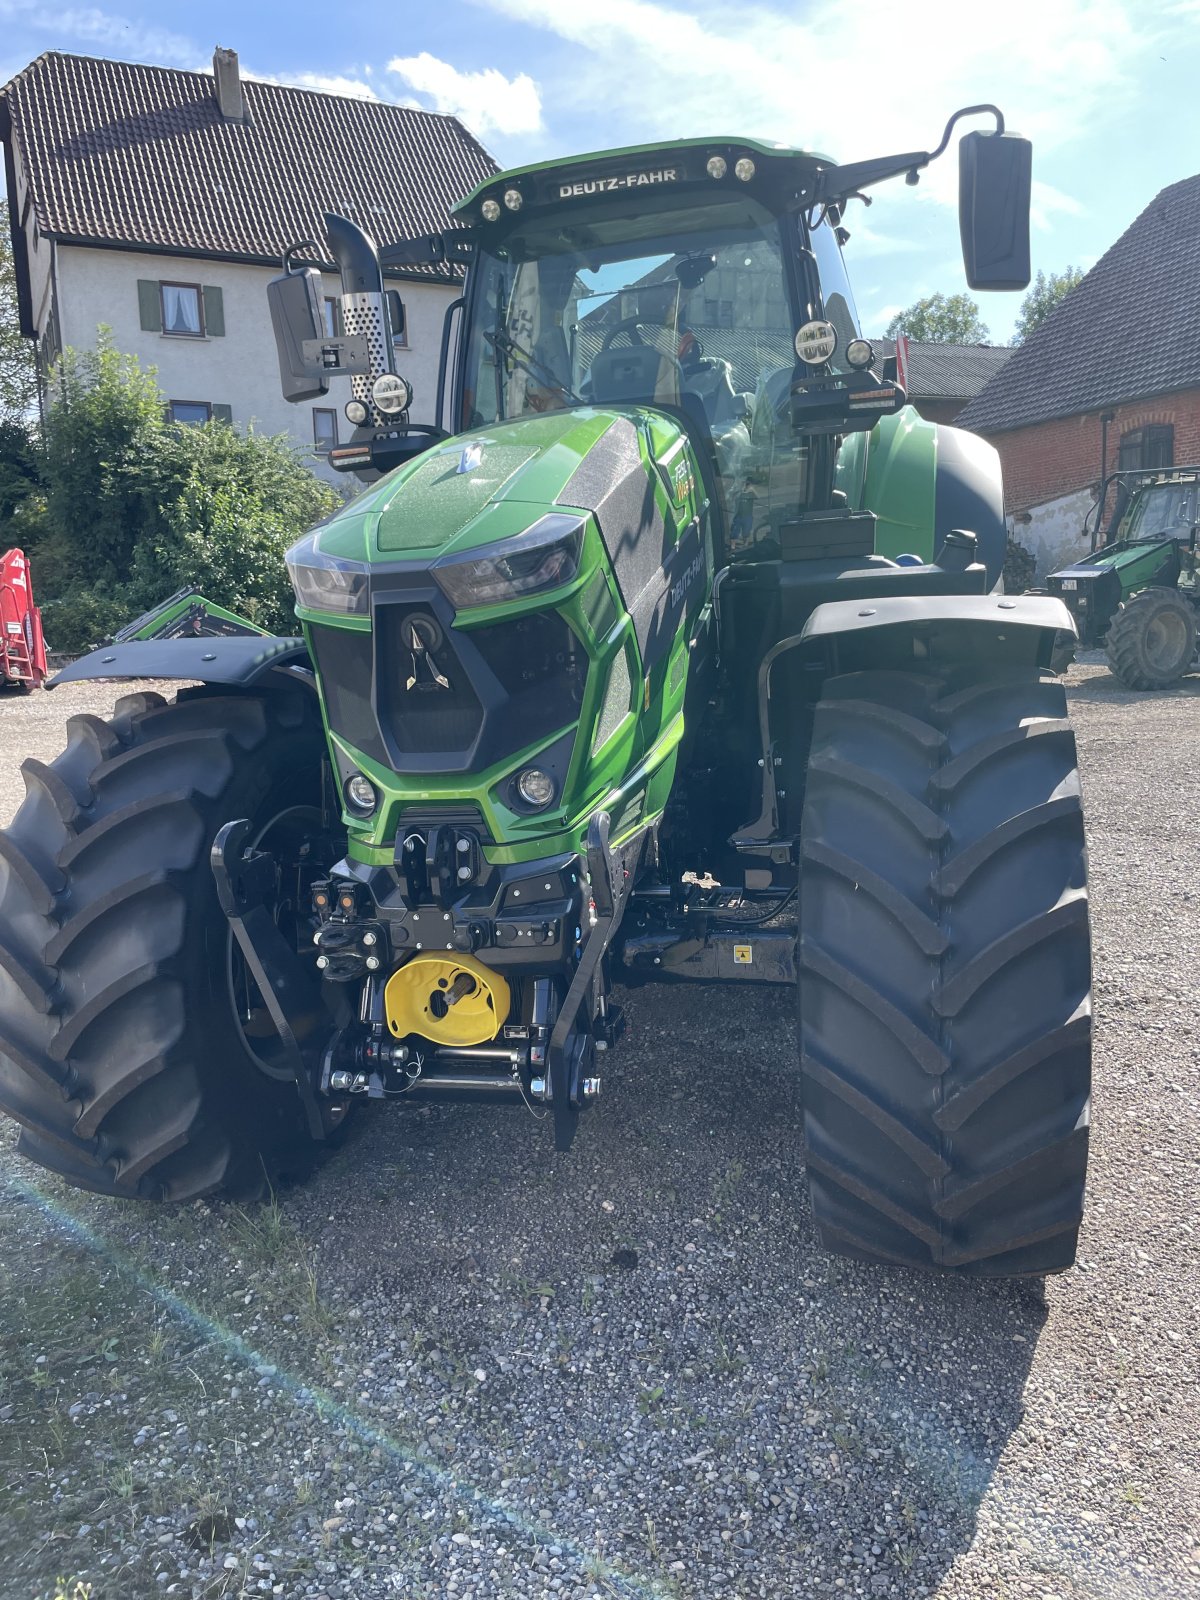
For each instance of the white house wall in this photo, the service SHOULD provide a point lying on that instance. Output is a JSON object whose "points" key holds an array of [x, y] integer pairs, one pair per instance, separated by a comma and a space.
{"points": [[240, 370], [1054, 532]]}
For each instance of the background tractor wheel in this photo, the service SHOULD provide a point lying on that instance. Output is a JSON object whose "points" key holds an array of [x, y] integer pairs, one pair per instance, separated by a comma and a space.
{"points": [[945, 974], [1151, 642], [132, 1051]]}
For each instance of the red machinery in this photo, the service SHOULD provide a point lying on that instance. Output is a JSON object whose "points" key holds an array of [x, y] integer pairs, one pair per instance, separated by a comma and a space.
{"points": [[22, 647]]}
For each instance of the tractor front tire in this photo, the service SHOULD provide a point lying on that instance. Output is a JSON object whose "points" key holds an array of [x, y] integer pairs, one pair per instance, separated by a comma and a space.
{"points": [[1151, 642], [945, 974], [122, 1056]]}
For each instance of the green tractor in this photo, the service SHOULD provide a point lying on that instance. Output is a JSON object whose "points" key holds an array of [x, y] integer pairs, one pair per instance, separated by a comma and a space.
{"points": [[683, 657], [1138, 593]]}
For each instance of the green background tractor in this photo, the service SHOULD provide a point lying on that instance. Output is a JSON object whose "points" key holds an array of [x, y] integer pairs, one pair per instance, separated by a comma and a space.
{"points": [[680, 655], [1137, 594]]}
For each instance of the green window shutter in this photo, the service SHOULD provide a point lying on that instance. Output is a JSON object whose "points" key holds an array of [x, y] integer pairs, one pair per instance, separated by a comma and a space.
{"points": [[222, 413], [214, 312], [149, 305]]}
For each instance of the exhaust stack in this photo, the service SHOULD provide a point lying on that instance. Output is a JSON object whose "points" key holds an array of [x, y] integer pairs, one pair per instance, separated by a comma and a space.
{"points": [[364, 309]]}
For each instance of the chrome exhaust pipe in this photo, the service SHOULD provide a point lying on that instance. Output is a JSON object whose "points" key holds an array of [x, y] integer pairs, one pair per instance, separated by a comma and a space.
{"points": [[364, 309]]}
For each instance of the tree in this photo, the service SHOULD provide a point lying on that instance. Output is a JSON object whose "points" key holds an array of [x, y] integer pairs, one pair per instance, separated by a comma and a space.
{"points": [[133, 507], [18, 367], [941, 319], [1041, 300]]}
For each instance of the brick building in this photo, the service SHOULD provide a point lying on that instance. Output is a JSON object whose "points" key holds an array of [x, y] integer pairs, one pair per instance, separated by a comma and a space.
{"points": [[1110, 380]]}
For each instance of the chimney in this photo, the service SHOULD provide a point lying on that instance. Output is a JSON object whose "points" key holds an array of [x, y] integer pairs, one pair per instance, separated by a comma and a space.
{"points": [[229, 85]]}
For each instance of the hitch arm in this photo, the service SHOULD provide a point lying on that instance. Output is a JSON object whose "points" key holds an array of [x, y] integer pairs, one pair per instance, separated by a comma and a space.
{"points": [[290, 991], [610, 885]]}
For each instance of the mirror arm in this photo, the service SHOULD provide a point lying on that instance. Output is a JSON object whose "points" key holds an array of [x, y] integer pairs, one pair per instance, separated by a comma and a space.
{"points": [[293, 262], [837, 183]]}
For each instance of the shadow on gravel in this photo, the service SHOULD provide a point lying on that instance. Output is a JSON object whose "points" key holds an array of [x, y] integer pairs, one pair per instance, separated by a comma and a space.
{"points": [[675, 1372]]}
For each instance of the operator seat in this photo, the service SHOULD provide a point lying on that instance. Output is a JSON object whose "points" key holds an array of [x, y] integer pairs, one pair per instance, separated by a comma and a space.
{"points": [[625, 374]]}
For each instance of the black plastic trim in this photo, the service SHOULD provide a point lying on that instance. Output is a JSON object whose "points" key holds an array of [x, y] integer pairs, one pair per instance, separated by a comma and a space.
{"points": [[232, 659]]}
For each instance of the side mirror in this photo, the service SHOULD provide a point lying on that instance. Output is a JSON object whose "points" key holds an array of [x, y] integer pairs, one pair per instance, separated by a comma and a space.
{"points": [[295, 301], [995, 172], [395, 314]]}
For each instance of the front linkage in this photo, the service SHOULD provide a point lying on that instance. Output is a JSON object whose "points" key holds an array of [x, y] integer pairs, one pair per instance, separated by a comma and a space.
{"points": [[442, 1025]]}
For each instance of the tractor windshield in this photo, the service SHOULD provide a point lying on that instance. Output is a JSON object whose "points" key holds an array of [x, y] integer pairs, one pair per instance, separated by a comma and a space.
{"points": [[1164, 511], [689, 307]]}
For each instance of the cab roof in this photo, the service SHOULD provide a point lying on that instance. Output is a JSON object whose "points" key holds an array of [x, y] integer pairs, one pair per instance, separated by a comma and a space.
{"points": [[601, 160]]}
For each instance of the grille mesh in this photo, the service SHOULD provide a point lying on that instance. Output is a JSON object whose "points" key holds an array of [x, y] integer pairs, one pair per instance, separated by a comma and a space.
{"points": [[616, 700]]}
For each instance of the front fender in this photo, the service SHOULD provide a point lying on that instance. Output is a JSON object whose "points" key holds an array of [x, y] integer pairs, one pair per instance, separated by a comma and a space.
{"points": [[930, 631], [240, 660]]}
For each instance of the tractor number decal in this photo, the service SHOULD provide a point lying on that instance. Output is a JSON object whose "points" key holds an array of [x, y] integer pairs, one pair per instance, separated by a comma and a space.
{"points": [[627, 180]]}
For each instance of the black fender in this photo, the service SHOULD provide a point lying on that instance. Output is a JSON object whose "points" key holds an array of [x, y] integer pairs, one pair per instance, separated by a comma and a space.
{"points": [[242, 661], [924, 632], [968, 492]]}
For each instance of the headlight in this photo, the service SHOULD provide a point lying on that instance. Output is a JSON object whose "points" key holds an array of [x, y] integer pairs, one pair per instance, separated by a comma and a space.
{"points": [[391, 393], [324, 582], [360, 794], [859, 353], [543, 557], [535, 787]]}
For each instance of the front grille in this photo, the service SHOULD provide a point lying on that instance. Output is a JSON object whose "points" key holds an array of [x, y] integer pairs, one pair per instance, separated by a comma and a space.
{"points": [[344, 659], [424, 695], [418, 694], [541, 668]]}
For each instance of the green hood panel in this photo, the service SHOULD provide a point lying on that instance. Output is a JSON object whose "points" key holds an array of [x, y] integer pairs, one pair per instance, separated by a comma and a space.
{"points": [[430, 505], [438, 499]]}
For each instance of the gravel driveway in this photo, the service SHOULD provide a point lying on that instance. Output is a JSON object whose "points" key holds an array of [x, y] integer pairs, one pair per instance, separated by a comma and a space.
{"points": [[459, 1365]]}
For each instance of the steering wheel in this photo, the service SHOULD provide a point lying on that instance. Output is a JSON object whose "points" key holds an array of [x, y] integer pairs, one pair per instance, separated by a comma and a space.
{"points": [[632, 327], [629, 325]]}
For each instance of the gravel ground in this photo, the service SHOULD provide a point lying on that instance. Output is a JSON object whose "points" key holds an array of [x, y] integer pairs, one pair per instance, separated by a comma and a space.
{"points": [[459, 1365]]}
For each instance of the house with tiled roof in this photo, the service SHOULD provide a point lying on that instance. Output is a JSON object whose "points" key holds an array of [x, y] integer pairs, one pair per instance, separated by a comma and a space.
{"points": [[159, 203], [1111, 379], [944, 378]]}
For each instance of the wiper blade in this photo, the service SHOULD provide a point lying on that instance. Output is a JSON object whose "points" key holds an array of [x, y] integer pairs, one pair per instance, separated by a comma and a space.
{"points": [[513, 354]]}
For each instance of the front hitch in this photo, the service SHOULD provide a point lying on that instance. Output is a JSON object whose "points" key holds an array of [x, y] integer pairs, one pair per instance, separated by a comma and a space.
{"points": [[290, 990]]}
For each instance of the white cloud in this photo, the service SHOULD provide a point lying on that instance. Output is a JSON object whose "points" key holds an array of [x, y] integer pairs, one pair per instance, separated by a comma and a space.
{"points": [[661, 68], [328, 83], [1046, 202], [486, 101], [127, 40]]}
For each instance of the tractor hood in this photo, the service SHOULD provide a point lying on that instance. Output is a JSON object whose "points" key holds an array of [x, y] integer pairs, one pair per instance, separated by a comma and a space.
{"points": [[478, 487]]}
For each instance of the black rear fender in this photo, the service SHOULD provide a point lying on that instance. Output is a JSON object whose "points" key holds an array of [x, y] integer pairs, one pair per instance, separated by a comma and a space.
{"points": [[924, 633]]}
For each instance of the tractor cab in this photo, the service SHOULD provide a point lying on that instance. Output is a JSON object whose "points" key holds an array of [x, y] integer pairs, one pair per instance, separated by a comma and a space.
{"points": [[680, 279]]}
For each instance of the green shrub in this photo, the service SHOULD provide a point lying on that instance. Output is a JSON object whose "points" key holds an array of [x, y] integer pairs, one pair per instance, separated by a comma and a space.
{"points": [[132, 507]]}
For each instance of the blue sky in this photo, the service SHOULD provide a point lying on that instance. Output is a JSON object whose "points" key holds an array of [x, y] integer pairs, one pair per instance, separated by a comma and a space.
{"points": [[1105, 88]]}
